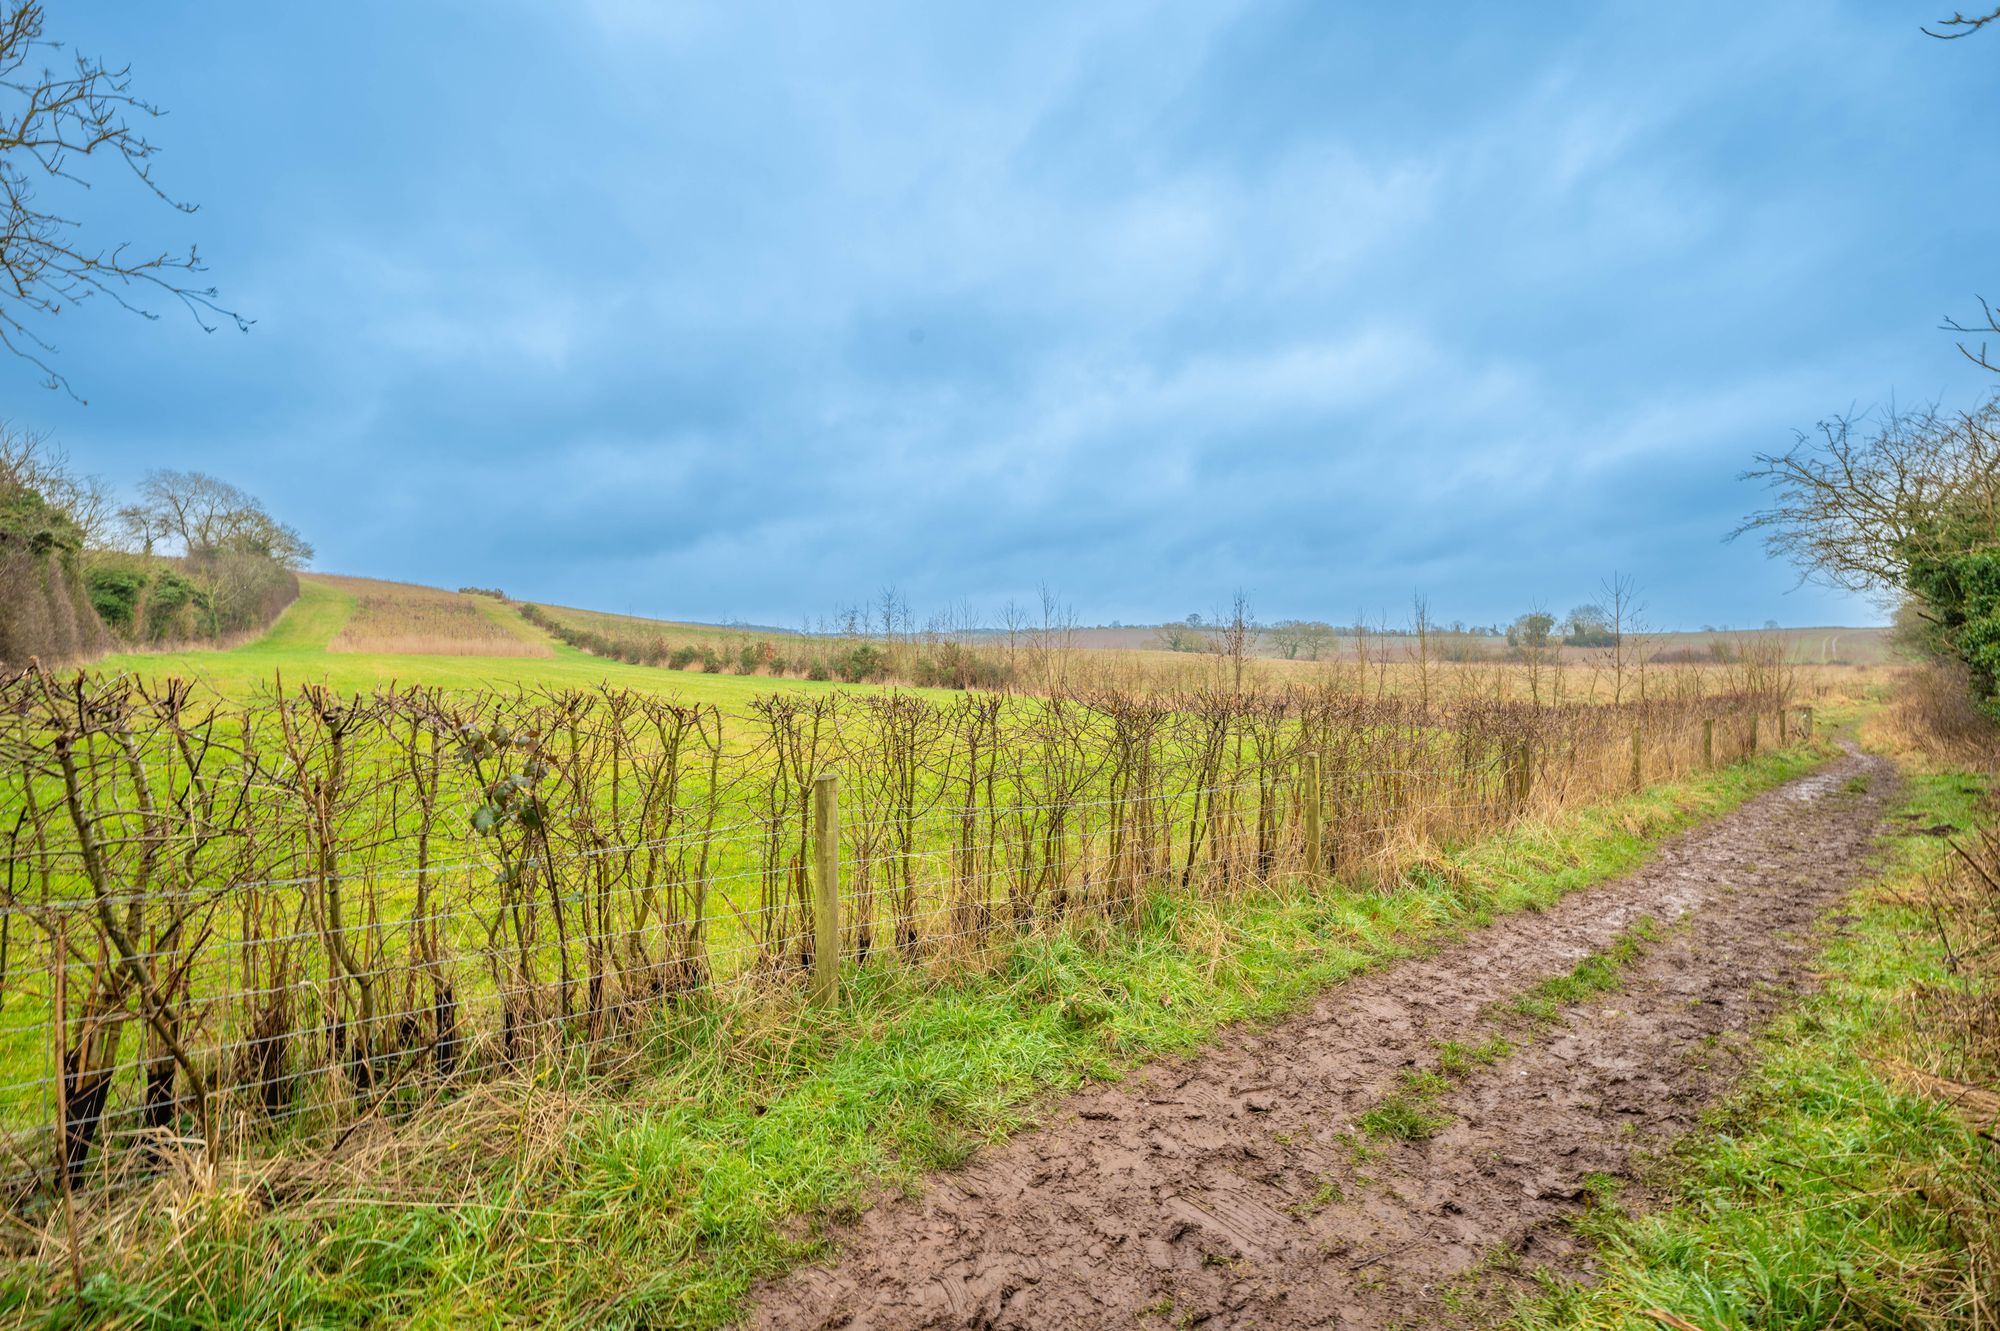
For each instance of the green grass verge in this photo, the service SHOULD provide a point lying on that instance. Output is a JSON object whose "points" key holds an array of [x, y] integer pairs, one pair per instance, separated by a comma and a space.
{"points": [[658, 1204], [1802, 1202]]}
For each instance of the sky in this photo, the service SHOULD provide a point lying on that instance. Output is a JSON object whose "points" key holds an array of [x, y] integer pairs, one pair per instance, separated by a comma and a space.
{"points": [[748, 311]]}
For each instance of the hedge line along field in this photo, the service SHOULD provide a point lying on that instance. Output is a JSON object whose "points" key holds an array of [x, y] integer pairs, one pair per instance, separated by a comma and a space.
{"points": [[238, 928]]}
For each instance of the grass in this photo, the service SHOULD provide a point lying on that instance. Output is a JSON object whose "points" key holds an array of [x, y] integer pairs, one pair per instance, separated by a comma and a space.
{"points": [[1598, 973], [656, 1201], [1819, 1195], [1412, 1113]]}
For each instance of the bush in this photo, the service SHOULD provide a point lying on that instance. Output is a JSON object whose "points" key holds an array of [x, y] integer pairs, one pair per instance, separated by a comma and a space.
{"points": [[818, 670], [114, 593], [682, 657], [861, 662]]}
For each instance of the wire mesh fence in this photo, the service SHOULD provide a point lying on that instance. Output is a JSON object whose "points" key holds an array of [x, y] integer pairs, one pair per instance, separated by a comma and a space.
{"points": [[247, 927]]}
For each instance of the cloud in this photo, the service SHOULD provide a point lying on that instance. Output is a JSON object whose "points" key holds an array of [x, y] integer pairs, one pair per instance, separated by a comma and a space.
{"points": [[753, 311]]}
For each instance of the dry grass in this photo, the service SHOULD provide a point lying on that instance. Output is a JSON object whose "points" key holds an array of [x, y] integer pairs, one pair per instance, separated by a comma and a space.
{"points": [[401, 619], [1932, 723]]}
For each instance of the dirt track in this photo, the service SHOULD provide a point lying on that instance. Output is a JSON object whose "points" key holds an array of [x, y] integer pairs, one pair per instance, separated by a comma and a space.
{"points": [[1227, 1190]]}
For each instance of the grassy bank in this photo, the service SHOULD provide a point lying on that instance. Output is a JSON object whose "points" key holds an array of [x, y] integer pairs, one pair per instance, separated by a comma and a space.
{"points": [[654, 1198], [1826, 1193]]}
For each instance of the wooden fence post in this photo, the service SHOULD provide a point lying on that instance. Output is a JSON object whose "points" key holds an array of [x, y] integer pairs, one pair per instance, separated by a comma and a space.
{"points": [[1806, 724], [1638, 767], [1315, 859], [826, 888], [1708, 743], [1521, 776], [1753, 734]]}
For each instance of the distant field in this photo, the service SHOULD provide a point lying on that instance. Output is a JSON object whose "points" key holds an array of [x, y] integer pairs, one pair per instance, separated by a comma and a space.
{"points": [[305, 646], [359, 633], [1804, 646]]}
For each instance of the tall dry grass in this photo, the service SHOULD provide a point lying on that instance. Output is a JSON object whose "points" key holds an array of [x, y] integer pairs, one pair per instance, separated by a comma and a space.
{"points": [[403, 619]]}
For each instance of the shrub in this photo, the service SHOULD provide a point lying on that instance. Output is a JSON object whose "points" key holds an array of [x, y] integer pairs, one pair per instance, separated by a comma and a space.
{"points": [[114, 594], [863, 661]]}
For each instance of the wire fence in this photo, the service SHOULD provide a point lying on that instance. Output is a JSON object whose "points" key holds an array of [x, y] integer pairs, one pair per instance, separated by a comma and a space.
{"points": [[245, 928]]}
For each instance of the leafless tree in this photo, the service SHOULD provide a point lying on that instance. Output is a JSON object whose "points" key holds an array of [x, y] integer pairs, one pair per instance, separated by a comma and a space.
{"points": [[204, 515], [29, 461], [1421, 630], [1852, 508], [54, 126], [1234, 638], [1052, 642], [1619, 595], [1299, 637]]}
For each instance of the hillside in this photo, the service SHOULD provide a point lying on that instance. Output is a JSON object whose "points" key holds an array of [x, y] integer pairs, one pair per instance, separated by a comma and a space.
{"points": [[359, 633]]}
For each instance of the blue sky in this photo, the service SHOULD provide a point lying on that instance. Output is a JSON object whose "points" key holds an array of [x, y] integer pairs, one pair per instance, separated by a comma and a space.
{"points": [[746, 311]]}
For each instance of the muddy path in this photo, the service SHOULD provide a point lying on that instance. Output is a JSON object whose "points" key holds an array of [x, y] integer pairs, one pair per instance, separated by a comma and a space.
{"points": [[1240, 1188]]}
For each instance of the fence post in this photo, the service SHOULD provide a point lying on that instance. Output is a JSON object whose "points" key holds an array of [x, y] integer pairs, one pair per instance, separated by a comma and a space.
{"points": [[1638, 768], [1521, 777], [1806, 724], [1753, 734], [1708, 743], [1315, 860], [826, 888]]}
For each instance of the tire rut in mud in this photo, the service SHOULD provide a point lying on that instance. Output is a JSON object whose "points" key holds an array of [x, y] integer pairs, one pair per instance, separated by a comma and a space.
{"points": [[1234, 1189]]}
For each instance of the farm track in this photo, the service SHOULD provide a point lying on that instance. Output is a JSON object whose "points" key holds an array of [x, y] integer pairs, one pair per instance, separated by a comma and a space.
{"points": [[1227, 1190]]}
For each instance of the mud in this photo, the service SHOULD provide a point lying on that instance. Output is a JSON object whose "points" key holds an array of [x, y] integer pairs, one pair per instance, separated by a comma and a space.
{"points": [[1235, 1189]]}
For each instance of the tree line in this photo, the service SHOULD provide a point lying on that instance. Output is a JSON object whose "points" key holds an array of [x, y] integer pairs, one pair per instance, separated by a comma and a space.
{"points": [[187, 558]]}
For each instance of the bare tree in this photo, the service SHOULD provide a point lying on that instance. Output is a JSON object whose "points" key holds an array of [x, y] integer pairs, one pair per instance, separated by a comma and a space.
{"points": [[1234, 638], [1620, 598], [1420, 629], [1052, 642], [1853, 509], [204, 515], [53, 126], [1179, 636], [1531, 640], [29, 461], [1299, 637]]}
